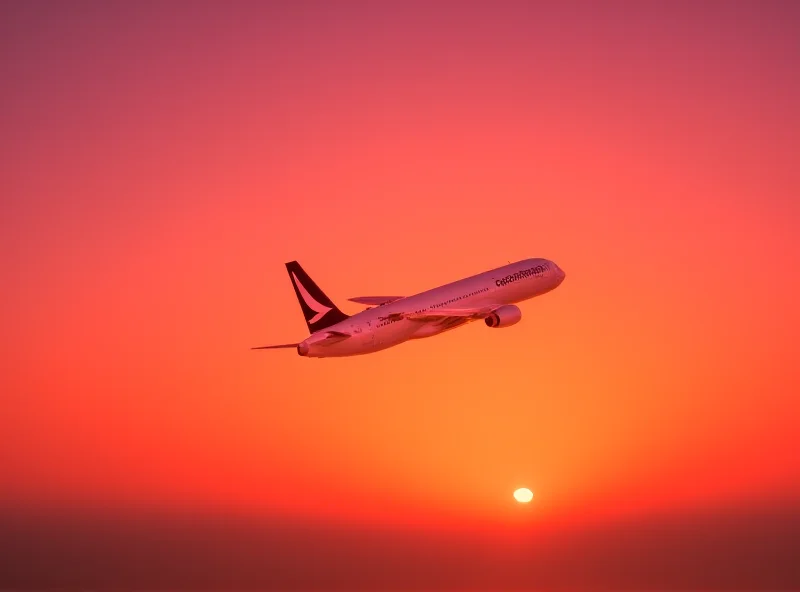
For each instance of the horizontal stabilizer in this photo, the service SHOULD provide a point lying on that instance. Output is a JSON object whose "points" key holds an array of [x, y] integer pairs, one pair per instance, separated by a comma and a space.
{"points": [[375, 300], [320, 338], [285, 345]]}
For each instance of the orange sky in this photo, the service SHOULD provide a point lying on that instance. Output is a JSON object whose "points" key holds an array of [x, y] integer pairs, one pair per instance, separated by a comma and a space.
{"points": [[161, 163]]}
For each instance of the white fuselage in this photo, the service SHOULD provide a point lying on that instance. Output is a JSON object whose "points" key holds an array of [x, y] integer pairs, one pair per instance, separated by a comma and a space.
{"points": [[372, 331]]}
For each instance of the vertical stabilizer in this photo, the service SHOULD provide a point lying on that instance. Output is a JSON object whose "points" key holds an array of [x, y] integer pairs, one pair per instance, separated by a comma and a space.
{"points": [[319, 311]]}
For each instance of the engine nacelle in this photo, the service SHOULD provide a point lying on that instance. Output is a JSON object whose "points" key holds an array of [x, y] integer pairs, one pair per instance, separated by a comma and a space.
{"points": [[505, 316]]}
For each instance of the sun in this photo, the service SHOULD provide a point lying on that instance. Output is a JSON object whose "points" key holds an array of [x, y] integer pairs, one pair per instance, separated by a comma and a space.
{"points": [[523, 495]]}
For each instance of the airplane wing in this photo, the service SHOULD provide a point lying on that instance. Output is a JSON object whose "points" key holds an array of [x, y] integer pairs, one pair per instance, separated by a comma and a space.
{"points": [[375, 300], [443, 314]]}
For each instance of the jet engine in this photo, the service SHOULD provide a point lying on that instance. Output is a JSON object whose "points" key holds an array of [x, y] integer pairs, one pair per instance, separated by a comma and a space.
{"points": [[505, 316]]}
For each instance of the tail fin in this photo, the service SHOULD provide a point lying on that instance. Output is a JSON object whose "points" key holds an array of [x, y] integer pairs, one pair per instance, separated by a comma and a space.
{"points": [[318, 310]]}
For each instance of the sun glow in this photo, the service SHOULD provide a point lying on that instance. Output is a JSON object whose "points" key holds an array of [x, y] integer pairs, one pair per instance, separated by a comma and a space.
{"points": [[523, 495]]}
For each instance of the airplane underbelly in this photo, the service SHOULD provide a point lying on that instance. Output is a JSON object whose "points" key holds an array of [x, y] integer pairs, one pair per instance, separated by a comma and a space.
{"points": [[361, 342], [431, 329], [393, 334]]}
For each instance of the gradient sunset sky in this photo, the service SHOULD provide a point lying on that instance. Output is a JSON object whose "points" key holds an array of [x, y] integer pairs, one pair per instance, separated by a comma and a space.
{"points": [[161, 162]]}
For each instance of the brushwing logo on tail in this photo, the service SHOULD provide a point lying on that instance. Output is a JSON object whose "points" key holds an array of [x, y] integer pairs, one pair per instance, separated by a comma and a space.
{"points": [[318, 308]]}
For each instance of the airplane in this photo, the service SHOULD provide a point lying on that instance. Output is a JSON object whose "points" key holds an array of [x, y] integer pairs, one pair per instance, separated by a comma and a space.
{"points": [[391, 320]]}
